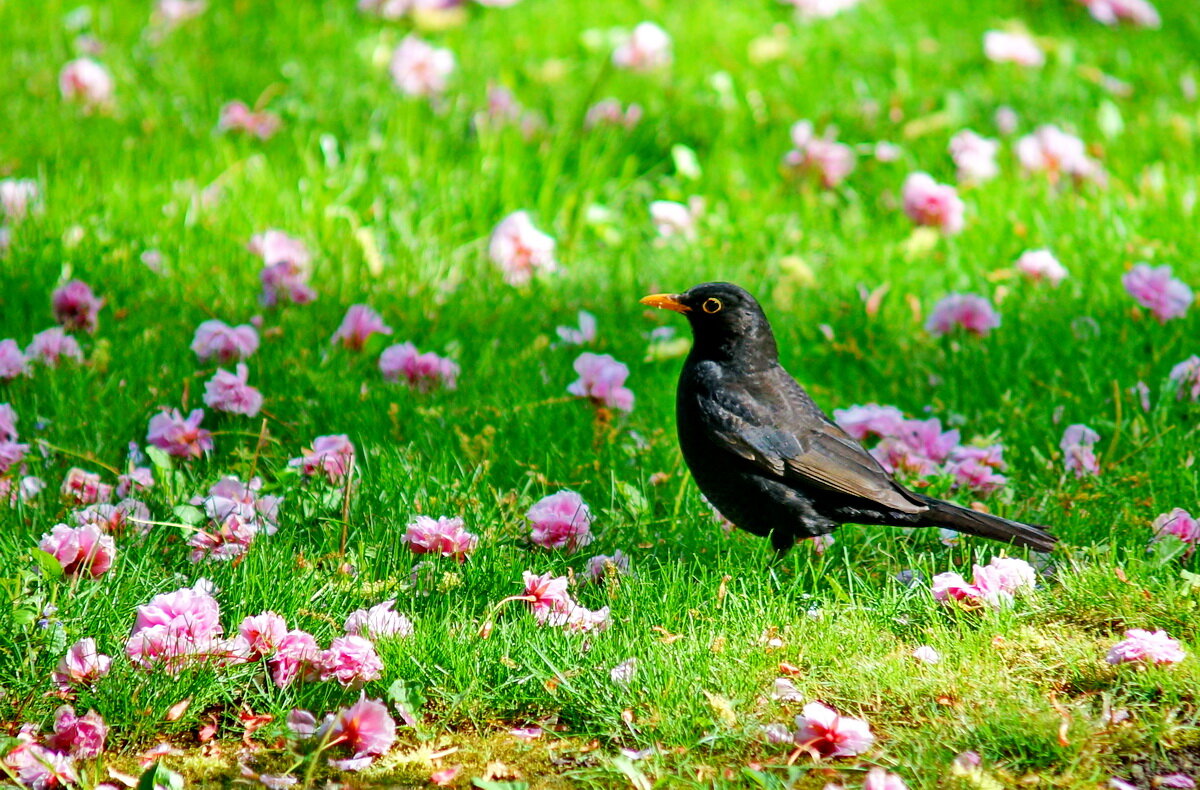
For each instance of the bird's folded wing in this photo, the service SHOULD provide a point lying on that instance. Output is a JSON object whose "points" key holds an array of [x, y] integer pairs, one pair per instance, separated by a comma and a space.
{"points": [[818, 453]]}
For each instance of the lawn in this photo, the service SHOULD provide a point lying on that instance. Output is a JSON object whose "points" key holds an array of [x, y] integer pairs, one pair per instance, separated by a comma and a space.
{"points": [[395, 179]]}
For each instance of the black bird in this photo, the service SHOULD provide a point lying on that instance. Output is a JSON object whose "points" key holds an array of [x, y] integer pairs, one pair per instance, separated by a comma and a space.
{"points": [[767, 457]]}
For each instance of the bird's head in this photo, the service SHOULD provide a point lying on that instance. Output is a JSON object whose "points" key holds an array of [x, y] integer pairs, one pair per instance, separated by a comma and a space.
{"points": [[727, 323]]}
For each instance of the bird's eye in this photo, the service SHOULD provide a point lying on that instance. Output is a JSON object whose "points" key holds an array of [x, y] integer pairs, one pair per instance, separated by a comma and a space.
{"points": [[712, 306]]}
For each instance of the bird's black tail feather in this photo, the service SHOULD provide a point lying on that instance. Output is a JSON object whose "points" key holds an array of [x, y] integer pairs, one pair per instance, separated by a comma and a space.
{"points": [[985, 525]]}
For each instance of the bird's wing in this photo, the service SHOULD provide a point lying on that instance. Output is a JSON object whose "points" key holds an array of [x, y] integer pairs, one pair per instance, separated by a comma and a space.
{"points": [[780, 429]]}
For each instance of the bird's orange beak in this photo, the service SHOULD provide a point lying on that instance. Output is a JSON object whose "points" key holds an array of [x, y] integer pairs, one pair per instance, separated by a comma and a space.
{"points": [[666, 302]]}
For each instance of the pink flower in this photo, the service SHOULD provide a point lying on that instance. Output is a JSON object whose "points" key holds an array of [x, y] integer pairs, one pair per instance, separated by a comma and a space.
{"points": [[170, 432], [177, 626], [443, 536], [965, 763], [224, 343], [552, 605], [331, 457], [420, 69], [297, 652], [229, 392], [84, 488], [176, 12], [674, 219], [830, 160], [580, 619], [11, 454], [586, 332], [23, 489], [231, 497], [351, 661], [879, 779], [276, 247], [975, 156], [610, 112], [1051, 150], [18, 197], [870, 420], [86, 81], [952, 586], [1019, 48], [1078, 455], [1181, 781], [365, 728], [113, 519], [81, 665], [403, 364], [188, 611], [8, 422], [40, 768], [1041, 265], [883, 151], [647, 48], [1185, 376], [601, 380], [926, 655], [561, 521], [927, 202], [1142, 391], [53, 346], [622, 674], [80, 550], [927, 438], [1155, 288], [784, 690], [503, 109], [995, 585], [824, 731], [378, 621], [264, 633], [302, 723], [237, 117], [1013, 574], [549, 594], [287, 266], [80, 736], [969, 312], [1137, 12], [76, 307], [285, 279], [597, 567], [1152, 647], [1179, 523], [13, 363], [357, 327], [976, 476], [992, 455], [820, 9], [231, 539], [520, 249], [445, 777], [1006, 119], [139, 478], [386, 9]]}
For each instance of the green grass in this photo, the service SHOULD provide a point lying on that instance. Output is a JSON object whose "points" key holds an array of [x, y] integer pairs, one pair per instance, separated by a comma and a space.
{"points": [[428, 187]]}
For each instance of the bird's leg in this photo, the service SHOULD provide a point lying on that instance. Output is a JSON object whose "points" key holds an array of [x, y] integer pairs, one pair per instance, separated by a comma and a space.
{"points": [[782, 542]]}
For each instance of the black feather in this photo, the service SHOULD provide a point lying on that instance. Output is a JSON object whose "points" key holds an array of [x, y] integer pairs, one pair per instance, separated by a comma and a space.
{"points": [[765, 454]]}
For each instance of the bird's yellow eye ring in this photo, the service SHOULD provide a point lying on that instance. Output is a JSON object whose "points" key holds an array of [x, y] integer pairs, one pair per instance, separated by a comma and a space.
{"points": [[712, 306]]}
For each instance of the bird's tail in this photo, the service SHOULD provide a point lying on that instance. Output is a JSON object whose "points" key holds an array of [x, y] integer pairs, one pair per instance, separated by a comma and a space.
{"points": [[985, 525]]}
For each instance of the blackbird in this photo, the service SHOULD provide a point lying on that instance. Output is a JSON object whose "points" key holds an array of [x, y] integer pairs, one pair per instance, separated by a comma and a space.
{"points": [[767, 457]]}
